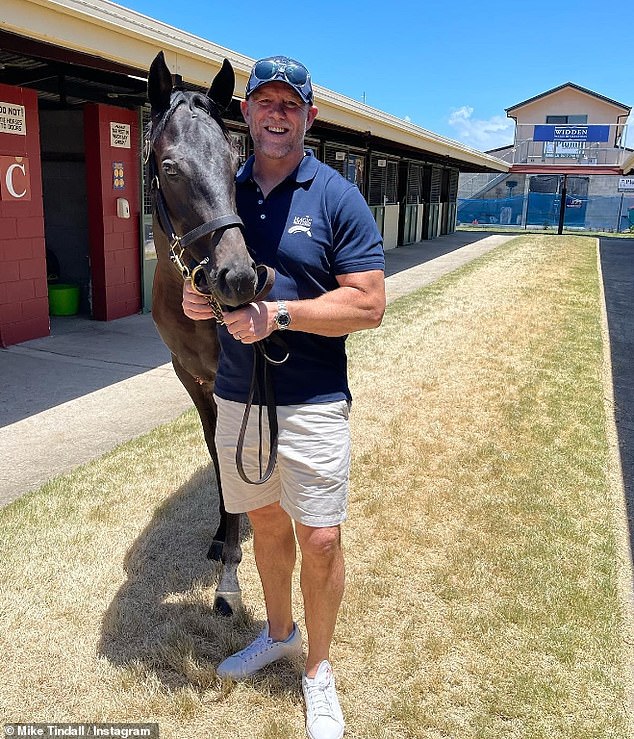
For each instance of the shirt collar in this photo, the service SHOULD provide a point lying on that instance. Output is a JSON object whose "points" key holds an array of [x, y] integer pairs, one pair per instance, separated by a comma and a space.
{"points": [[305, 172]]}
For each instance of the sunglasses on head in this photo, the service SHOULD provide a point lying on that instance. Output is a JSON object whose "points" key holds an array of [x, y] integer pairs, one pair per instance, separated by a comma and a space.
{"points": [[293, 72], [287, 70]]}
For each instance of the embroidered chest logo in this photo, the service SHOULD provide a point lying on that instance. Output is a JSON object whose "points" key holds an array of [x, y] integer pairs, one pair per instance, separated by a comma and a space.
{"points": [[301, 224]]}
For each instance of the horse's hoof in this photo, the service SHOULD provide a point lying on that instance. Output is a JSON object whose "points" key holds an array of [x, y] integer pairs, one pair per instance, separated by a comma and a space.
{"points": [[227, 603], [215, 550]]}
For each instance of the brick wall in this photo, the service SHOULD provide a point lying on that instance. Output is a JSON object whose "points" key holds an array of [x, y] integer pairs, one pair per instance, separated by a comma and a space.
{"points": [[23, 288], [114, 241]]}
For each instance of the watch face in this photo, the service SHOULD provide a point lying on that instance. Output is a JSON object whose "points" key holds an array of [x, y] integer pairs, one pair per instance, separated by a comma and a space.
{"points": [[282, 320]]}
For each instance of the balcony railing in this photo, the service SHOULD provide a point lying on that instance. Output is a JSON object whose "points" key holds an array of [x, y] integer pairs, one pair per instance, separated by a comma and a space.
{"points": [[588, 145]]}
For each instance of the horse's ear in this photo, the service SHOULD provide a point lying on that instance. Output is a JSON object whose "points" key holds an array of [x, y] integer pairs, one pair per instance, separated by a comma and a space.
{"points": [[221, 89], [159, 84]]}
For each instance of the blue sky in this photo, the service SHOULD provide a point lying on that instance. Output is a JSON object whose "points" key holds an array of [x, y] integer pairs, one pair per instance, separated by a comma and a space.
{"points": [[450, 67]]}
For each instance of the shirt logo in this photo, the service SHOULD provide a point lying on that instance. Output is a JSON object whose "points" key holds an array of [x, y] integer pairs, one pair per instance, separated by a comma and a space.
{"points": [[301, 224]]}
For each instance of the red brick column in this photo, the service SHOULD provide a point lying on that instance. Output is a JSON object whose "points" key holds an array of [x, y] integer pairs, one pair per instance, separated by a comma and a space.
{"points": [[114, 241], [23, 288]]}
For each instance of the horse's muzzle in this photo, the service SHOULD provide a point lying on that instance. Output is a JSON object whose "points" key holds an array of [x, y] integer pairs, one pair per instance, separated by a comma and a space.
{"points": [[233, 286]]}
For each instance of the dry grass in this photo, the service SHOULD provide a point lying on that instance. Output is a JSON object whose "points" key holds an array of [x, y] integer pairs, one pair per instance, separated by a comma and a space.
{"points": [[482, 547]]}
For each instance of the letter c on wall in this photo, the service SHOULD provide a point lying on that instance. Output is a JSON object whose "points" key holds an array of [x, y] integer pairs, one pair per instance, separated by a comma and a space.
{"points": [[15, 179], [9, 180]]}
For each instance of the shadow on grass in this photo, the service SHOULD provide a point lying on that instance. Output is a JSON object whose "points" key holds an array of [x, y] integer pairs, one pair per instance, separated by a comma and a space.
{"points": [[617, 266], [161, 623]]}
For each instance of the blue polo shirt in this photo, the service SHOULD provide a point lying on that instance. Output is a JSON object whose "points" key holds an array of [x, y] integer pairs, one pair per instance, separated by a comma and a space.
{"points": [[313, 226]]}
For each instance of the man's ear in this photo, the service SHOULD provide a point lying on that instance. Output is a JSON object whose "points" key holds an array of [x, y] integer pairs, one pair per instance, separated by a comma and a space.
{"points": [[244, 109], [312, 114]]}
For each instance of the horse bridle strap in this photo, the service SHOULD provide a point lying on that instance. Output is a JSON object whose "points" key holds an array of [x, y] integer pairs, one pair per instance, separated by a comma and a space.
{"points": [[222, 223]]}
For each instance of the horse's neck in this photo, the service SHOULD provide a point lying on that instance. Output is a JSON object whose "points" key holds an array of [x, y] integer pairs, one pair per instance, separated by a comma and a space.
{"points": [[161, 242]]}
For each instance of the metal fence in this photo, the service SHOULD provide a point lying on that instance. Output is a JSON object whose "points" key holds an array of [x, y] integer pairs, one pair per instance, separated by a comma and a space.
{"points": [[595, 213]]}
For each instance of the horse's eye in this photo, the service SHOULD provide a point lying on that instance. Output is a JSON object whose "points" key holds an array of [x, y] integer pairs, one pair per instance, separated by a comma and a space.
{"points": [[169, 168]]}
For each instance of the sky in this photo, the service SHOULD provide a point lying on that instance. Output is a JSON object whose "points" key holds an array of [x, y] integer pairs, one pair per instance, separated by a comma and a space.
{"points": [[450, 67]]}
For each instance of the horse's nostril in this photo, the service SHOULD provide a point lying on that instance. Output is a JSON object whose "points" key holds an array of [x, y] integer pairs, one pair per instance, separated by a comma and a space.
{"points": [[200, 281], [236, 286], [221, 279]]}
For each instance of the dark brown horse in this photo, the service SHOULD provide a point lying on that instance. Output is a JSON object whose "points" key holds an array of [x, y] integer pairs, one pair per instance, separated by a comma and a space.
{"points": [[192, 167]]}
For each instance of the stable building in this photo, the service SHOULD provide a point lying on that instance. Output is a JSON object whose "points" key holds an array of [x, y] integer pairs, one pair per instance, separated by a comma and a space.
{"points": [[74, 201]]}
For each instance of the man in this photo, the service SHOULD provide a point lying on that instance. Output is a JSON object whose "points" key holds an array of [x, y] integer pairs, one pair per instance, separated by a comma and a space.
{"points": [[315, 229]]}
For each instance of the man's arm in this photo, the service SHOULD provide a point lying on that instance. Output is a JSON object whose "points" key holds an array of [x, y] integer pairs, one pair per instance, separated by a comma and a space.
{"points": [[358, 303]]}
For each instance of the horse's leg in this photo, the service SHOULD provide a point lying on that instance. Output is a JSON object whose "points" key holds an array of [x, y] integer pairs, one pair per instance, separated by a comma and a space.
{"points": [[226, 542]]}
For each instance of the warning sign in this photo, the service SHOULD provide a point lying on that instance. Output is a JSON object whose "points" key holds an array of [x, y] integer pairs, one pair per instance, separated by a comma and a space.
{"points": [[120, 135], [12, 119]]}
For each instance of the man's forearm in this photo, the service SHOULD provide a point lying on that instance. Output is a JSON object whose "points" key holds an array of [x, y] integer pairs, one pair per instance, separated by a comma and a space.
{"points": [[358, 303], [336, 313]]}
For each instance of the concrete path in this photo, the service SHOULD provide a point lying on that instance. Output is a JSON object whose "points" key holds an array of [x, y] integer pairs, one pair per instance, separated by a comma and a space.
{"points": [[617, 267], [76, 394]]}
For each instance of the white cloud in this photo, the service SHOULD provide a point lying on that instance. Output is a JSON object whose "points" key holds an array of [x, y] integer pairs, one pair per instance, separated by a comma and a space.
{"points": [[481, 134], [408, 119]]}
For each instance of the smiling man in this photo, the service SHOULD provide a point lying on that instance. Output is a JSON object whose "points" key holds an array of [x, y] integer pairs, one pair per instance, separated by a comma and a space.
{"points": [[315, 229]]}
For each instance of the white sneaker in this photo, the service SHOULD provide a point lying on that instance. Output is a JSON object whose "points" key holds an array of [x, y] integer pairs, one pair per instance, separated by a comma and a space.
{"points": [[261, 652], [324, 719]]}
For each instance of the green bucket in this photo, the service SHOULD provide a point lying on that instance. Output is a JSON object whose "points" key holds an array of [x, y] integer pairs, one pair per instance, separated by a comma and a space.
{"points": [[63, 299]]}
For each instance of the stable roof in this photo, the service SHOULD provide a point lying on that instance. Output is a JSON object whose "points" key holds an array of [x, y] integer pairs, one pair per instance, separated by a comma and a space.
{"points": [[101, 38]]}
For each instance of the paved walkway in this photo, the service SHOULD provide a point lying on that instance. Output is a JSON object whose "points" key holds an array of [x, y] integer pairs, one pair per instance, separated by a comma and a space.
{"points": [[617, 266], [72, 396]]}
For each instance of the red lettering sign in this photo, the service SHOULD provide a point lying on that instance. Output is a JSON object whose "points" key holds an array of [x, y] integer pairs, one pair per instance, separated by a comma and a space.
{"points": [[15, 178]]}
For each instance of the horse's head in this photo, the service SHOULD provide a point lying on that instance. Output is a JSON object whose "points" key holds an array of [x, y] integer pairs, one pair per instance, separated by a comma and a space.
{"points": [[195, 167]]}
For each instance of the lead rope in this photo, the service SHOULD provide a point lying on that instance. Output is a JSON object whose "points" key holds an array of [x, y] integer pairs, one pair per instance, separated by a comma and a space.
{"points": [[261, 380]]}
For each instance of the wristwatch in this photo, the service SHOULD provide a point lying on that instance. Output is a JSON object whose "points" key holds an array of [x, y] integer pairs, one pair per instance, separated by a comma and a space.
{"points": [[282, 318]]}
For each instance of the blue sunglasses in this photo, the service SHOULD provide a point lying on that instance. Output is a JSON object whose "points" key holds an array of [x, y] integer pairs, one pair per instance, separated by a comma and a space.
{"points": [[284, 69]]}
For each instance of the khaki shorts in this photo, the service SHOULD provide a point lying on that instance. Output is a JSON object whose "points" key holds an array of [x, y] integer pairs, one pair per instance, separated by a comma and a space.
{"points": [[310, 479]]}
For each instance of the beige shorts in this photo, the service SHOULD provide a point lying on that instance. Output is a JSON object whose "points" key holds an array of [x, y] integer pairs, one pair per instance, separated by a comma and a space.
{"points": [[310, 479]]}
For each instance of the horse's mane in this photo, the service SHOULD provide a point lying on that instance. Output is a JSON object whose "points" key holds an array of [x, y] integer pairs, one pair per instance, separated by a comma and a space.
{"points": [[192, 99]]}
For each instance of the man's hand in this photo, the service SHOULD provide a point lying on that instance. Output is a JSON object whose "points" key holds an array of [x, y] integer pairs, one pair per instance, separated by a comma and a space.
{"points": [[248, 324], [251, 323], [195, 306]]}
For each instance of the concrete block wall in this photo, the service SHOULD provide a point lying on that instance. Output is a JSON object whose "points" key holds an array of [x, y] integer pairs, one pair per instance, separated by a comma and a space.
{"points": [[114, 241], [23, 287]]}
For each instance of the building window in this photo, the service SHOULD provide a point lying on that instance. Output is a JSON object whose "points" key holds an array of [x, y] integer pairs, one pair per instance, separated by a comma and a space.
{"points": [[563, 120]]}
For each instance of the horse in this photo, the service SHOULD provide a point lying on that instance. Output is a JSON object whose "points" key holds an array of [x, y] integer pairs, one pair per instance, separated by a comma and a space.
{"points": [[198, 236]]}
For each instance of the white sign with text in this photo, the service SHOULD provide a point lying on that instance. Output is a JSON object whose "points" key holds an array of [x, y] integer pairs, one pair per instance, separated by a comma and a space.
{"points": [[120, 135], [12, 119]]}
